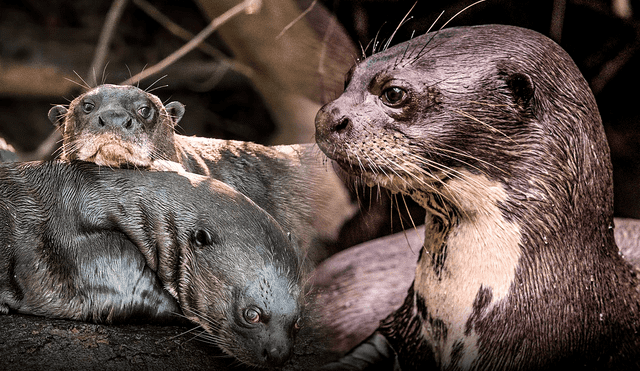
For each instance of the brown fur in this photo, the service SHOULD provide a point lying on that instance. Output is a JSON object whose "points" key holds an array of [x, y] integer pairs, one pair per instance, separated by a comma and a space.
{"points": [[494, 131], [293, 183]]}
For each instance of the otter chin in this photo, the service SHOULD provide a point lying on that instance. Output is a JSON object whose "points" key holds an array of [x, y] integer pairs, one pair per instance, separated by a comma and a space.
{"points": [[494, 131]]}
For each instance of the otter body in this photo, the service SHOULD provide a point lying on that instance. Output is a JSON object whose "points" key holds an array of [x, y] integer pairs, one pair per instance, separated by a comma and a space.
{"points": [[84, 242], [494, 131], [115, 125]]}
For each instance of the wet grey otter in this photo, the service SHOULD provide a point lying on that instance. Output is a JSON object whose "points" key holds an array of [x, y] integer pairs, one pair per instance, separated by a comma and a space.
{"points": [[495, 132], [84, 242], [116, 125]]}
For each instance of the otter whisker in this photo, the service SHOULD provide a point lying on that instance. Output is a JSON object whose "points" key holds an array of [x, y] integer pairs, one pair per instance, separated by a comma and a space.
{"points": [[408, 212], [447, 170], [389, 161], [367, 48], [419, 55], [185, 332], [207, 337], [364, 54], [483, 123], [355, 153], [448, 173], [104, 73], [492, 105], [375, 39], [77, 83], [420, 181], [153, 83], [157, 88], [456, 151], [460, 12], [403, 21], [404, 232]]}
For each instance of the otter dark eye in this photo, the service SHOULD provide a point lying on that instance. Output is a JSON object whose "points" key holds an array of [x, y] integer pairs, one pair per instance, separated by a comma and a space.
{"points": [[393, 96], [87, 107], [144, 111], [251, 315], [202, 238]]}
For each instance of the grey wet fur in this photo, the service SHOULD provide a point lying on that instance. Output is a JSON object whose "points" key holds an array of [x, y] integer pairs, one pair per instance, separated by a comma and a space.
{"points": [[89, 243], [116, 125], [495, 132]]}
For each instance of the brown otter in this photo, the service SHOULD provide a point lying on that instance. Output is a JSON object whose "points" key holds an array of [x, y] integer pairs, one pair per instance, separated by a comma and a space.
{"points": [[82, 242], [123, 125], [494, 131]]}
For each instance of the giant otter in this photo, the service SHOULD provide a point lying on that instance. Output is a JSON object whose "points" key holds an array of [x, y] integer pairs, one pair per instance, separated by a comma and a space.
{"points": [[84, 242], [495, 132], [116, 125]]}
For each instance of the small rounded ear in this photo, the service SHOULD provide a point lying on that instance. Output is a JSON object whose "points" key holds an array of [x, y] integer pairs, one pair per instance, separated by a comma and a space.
{"points": [[175, 111], [202, 238], [521, 87], [56, 114]]}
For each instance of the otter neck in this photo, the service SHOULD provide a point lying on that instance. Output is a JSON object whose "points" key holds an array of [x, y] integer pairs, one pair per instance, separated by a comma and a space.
{"points": [[467, 264]]}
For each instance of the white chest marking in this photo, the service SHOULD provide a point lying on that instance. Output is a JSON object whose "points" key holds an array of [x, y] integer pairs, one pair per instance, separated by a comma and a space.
{"points": [[482, 251]]}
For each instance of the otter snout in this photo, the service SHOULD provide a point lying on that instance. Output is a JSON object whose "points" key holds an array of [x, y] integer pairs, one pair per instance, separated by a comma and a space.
{"points": [[332, 124], [275, 354], [115, 120]]}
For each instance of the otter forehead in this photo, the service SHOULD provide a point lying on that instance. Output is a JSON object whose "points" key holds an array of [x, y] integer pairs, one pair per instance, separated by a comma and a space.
{"points": [[431, 55], [272, 289], [117, 95]]}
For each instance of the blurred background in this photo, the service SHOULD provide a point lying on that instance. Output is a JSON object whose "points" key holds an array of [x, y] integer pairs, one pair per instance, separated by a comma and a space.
{"points": [[262, 75]]}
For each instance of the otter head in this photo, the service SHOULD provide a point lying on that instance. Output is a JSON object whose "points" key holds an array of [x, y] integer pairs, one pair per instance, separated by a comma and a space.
{"points": [[238, 276], [115, 125], [492, 101]]}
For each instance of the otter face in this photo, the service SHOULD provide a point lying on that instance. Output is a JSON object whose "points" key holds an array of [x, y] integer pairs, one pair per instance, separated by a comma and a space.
{"points": [[115, 125], [266, 317], [417, 114], [240, 281]]}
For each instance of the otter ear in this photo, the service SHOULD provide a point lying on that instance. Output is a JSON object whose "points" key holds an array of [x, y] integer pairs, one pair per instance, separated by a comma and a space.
{"points": [[202, 238], [56, 114], [521, 87], [175, 111]]}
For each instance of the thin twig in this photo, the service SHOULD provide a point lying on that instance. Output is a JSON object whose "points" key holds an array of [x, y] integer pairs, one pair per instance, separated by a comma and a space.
{"points": [[192, 44], [102, 49], [185, 35], [298, 18]]}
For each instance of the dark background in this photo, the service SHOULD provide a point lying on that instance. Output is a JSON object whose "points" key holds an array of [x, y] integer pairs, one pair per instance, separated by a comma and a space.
{"points": [[42, 42]]}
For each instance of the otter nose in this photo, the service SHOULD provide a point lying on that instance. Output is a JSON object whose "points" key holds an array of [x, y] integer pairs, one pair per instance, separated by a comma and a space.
{"points": [[115, 119], [276, 355], [331, 121]]}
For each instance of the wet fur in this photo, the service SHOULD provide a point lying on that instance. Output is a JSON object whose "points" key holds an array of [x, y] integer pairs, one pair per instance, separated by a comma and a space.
{"points": [[292, 183], [89, 243], [500, 139]]}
